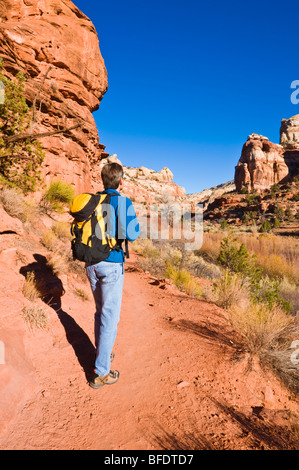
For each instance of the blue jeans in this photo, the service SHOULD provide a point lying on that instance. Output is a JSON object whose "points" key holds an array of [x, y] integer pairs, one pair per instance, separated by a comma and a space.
{"points": [[106, 280]]}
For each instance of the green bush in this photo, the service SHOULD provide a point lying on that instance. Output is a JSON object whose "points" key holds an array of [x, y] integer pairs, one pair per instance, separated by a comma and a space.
{"points": [[57, 195], [266, 227], [237, 259], [20, 156], [252, 198]]}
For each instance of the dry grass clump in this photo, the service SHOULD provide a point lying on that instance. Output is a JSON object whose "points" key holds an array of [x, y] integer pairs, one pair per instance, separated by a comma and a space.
{"points": [[49, 240], [183, 280], [263, 329], [57, 263], [290, 292], [35, 317], [146, 248], [199, 267], [16, 205], [30, 289], [227, 290], [13, 201], [82, 294], [62, 230]]}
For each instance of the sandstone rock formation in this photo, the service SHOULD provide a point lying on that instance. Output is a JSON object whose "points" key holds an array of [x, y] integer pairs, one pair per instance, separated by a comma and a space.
{"points": [[261, 164], [207, 196], [264, 163], [57, 48], [289, 138], [142, 184]]}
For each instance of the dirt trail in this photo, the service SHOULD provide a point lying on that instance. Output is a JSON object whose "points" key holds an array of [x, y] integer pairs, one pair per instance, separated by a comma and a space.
{"points": [[183, 380]]}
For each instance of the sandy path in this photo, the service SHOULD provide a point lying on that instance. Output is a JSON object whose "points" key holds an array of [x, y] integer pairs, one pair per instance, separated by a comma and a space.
{"points": [[180, 384]]}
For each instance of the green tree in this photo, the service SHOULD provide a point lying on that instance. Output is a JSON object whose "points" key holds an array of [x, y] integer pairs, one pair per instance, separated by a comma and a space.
{"points": [[21, 154]]}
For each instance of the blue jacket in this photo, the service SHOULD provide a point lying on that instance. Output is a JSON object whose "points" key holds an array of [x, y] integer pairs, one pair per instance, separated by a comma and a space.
{"points": [[122, 223]]}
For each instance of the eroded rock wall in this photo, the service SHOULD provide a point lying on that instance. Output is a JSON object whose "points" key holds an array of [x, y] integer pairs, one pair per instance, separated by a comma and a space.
{"points": [[36, 35]]}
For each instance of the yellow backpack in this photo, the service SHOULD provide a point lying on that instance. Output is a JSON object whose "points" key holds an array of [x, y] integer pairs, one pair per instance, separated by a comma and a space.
{"points": [[91, 243]]}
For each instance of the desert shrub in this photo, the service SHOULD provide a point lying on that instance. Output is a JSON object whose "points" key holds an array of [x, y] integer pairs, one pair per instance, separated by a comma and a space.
{"points": [[262, 328], [146, 248], [20, 157], [82, 294], [13, 201], [35, 317], [62, 230], [183, 280], [289, 292], [279, 213], [228, 290], [288, 214], [30, 289], [224, 224], [57, 196], [265, 227], [57, 263], [252, 198], [249, 216], [237, 259], [17, 206], [274, 189], [49, 240], [199, 267], [276, 223]]}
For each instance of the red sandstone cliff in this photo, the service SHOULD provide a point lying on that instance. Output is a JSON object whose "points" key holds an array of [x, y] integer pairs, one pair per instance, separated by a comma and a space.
{"points": [[36, 35], [264, 163]]}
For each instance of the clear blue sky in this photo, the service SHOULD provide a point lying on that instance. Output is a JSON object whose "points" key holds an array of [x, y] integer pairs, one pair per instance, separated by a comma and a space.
{"points": [[189, 80]]}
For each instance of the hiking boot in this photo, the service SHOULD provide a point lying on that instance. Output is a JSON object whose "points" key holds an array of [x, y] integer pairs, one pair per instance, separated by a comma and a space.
{"points": [[99, 381]]}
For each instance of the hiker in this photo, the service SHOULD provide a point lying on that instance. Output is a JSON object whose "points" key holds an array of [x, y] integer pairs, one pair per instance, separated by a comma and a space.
{"points": [[106, 276]]}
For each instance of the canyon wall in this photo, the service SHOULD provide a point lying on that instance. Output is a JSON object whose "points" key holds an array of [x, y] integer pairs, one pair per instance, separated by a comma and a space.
{"points": [[57, 48]]}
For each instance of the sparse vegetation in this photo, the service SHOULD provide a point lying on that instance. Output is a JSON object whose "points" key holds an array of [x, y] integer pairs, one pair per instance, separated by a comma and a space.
{"points": [[30, 288], [20, 156], [82, 294], [58, 195], [49, 240], [57, 263], [35, 317], [62, 230], [251, 278]]}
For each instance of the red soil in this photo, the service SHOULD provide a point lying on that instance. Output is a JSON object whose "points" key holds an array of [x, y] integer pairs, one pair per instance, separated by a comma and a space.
{"points": [[184, 380]]}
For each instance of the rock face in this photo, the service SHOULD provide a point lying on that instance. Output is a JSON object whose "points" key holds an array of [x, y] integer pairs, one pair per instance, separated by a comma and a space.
{"points": [[261, 164], [207, 196], [264, 163], [142, 184], [57, 48]]}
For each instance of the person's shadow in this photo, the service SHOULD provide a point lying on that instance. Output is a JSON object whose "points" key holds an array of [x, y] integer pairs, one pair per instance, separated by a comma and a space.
{"points": [[51, 291]]}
